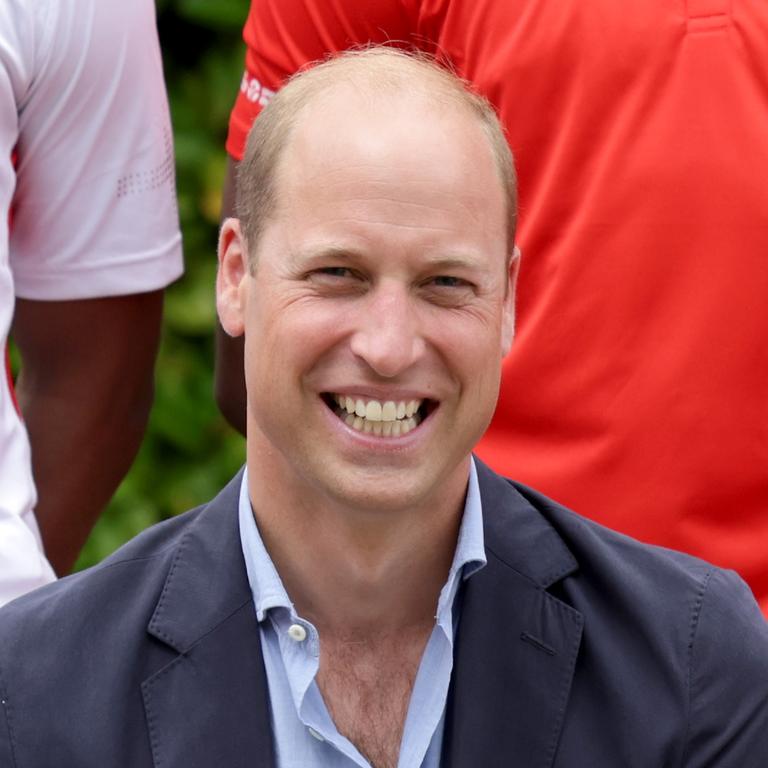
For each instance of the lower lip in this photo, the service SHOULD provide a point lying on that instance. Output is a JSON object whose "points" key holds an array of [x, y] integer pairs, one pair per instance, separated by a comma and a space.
{"points": [[384, 444]]}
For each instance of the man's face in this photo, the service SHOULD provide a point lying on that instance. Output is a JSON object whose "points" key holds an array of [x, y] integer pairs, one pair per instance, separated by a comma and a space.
{"points": [[380, 307]]}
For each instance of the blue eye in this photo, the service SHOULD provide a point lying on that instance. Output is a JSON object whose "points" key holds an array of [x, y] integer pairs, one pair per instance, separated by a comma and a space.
{"points": [[446, 281], [335, 271]]}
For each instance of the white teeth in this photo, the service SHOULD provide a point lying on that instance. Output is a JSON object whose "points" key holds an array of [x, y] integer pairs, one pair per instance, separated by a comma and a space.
{"points": [[388, 411], [380, 428], [376, 410], [387, 419], [373, 410]]}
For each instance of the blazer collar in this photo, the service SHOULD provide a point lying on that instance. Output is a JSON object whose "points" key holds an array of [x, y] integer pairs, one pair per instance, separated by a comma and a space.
{"points": [[210, 704], [517, 643], [207, 581], [516, 647], [518, 534]]}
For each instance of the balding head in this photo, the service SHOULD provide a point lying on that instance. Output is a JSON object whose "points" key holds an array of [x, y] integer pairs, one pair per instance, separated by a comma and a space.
{"points": [[375, 75]]}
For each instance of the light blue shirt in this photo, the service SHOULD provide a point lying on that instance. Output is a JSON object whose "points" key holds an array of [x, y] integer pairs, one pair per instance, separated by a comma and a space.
{"points": [[305, 736]]}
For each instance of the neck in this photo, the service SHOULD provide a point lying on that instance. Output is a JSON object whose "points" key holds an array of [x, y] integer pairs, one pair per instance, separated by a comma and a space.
{"points": [[355, 573]]}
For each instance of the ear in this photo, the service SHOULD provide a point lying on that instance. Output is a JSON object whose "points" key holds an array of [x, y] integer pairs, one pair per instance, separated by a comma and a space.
{"points": [[231, 277], [508, 321]]}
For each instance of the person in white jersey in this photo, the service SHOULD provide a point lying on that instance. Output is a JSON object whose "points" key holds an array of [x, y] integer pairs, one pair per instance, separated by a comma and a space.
{"points": [[89, 237]]}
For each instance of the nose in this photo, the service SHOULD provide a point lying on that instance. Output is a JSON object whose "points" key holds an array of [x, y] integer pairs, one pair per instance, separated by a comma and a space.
{"points": [[387, 336]]}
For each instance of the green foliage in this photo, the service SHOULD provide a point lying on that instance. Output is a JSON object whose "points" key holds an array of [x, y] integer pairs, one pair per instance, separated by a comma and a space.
{"points": [[189, 452]]}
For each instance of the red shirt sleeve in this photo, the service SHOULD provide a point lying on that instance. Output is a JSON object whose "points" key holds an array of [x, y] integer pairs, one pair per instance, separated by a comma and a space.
{"points": [[282, 36]]}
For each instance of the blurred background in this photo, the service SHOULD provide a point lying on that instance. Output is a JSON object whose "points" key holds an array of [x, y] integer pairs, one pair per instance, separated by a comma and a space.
{"points": [[189, 452]]}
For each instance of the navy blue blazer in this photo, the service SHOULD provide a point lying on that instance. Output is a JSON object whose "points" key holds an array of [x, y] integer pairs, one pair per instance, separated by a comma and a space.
{"points": [[577, 648]]}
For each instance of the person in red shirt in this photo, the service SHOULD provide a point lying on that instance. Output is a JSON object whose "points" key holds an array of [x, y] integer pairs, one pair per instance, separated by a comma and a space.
{"points": [[635, 390]]}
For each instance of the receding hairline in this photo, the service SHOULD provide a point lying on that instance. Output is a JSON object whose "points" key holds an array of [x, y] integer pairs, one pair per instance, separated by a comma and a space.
{"points": [[372, 73]]}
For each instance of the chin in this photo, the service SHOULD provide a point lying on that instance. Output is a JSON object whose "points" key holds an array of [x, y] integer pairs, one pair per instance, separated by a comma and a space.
{"points": [[385, 492]]}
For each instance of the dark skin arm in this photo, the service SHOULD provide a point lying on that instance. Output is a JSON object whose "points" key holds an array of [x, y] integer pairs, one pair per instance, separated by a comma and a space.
{"points": [[229, 378], [85, 391]]}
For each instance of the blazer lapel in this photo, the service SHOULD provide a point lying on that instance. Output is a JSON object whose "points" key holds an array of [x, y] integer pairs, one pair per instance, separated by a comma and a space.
{"points": [[515, 654], [209, 705], [517, 644]]}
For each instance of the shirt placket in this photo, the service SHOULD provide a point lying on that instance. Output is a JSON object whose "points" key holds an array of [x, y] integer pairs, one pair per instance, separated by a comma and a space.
{"points": [[708, 15], [300, 650]]}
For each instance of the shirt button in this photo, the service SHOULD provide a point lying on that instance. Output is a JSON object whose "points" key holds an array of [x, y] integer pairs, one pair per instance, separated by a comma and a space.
{"points": [[297, 632], [313, 732]]}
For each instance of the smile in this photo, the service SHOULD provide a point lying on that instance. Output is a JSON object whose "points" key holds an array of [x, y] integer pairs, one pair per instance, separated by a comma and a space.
{"points": [[383, 419]]}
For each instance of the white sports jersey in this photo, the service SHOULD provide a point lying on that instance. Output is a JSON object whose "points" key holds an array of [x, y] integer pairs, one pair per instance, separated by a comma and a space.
{"points": [[83, 103]]}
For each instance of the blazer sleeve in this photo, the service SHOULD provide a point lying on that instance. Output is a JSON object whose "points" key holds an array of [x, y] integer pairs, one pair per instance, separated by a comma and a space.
{"points": [[6, 746], [728, 678]]}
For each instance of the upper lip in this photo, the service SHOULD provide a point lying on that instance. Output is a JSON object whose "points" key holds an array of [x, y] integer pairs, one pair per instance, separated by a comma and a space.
{"points": [[381, 394]]}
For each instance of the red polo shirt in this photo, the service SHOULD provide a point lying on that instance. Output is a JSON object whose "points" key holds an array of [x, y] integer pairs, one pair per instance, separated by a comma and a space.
{"points": [[637, 388]]}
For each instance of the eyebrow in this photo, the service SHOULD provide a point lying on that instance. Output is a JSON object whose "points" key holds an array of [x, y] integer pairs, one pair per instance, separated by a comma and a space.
{"points": [[336, 253], [452, 262], [350, 255]]}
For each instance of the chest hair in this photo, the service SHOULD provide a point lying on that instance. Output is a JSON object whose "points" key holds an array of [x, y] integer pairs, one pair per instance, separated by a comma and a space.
{"points": [[367, 685]]}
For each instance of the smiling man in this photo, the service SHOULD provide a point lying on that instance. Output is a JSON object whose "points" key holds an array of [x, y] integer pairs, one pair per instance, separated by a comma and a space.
{"points": [[364, 593]]}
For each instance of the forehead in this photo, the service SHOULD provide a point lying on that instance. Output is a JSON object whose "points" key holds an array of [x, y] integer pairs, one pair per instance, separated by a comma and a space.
{"points": [[400, 151]]}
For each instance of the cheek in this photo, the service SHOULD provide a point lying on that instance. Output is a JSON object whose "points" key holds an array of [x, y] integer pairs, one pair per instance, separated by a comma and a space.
{"points": [[284, 342], [470, 347]]}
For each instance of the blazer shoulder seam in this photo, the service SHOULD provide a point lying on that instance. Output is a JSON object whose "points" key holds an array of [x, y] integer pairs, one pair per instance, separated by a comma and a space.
{"points": [[698, 604]]}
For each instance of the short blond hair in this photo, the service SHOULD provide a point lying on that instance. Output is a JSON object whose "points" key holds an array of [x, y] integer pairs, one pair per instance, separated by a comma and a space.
{"points": [[373, 69]]}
